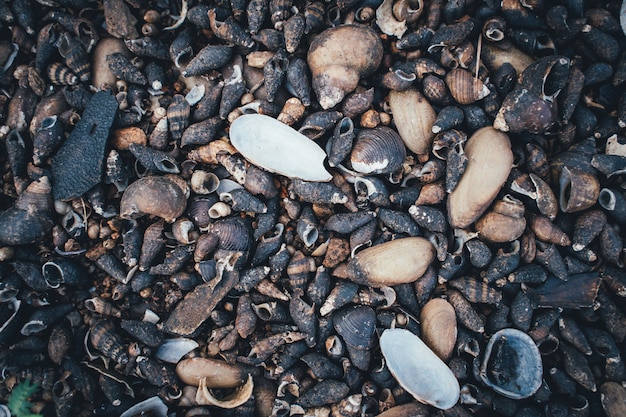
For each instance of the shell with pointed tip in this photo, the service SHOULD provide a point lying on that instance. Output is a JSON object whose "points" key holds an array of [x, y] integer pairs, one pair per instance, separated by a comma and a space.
{"points": [[275, 147], [418, 369], [512, 364], [489, 163], [412, 256]]}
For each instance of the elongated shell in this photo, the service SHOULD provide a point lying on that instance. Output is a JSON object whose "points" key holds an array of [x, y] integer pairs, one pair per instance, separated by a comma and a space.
{"points": [[489, 163], [276, 147], [439, 329], [217, 373], [414, 118], [411, 257], [418, 370]]}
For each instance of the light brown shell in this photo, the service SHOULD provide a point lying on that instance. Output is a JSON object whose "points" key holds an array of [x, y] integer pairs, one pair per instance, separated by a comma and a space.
{"points": [[411, 257], [414, 118], [163, 196], [504, 223], [339, 57], [464, 87], [489, 163], [218, 374], [439, 329]]}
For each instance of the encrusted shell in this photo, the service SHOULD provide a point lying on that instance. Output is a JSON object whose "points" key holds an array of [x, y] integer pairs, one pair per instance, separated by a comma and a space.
{"points": [[489, 163], [418, 370], [512, 365], [411, 257], [276, 147], [377, 151]]}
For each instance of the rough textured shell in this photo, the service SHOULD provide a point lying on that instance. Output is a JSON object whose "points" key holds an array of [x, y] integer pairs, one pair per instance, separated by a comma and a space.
{"points": [[377, 151], [418, 370], [411, 255], [276, 147], [489, 163], [512, 364]]}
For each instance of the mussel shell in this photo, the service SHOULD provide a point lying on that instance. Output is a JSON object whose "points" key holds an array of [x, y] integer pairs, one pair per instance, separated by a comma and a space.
{"points": [[356, 325], [512, 364], [377, 151]]}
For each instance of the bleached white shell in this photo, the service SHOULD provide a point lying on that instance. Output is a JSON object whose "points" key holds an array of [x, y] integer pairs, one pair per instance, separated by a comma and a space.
{"points": [[276, 147], [418, 370], [173, 350]]}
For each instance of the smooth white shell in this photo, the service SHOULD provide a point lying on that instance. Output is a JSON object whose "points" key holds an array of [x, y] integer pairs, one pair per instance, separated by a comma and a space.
{"points": [[418, 370], [276, 147]]}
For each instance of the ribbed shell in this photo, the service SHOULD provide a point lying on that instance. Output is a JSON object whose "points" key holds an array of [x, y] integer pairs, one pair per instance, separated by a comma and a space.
{"points": [[356, 326], [276, 147], [378, 151], [233, 234]]}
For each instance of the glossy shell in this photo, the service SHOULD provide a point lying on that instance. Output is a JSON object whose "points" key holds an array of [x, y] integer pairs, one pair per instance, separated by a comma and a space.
{"points": [[276, 147], [414, 118], [411, 255], [439, 329], [489, 162], [512, 364], [418, 370], [377, 151]]}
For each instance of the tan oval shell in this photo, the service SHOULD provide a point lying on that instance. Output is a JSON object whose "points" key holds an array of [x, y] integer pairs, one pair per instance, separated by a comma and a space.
{"points": [[338, 57], [276, 147], [439, 329], [377, 151], [414, 118], [504, 223], [163, 196], [418, 369], [490, 160], [218, 374], [410, 257]]}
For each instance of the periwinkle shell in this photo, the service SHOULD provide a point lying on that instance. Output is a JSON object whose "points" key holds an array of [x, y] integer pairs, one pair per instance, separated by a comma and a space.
{"points": [[418, 370], [276, 147]]}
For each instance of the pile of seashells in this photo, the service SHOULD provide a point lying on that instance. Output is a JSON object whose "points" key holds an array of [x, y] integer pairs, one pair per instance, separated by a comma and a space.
{"points": [[313, 208]]}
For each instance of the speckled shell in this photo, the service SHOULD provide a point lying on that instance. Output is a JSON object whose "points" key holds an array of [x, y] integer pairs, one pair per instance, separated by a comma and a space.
{"points": [[377, 151], [163, 196], [411, 255], [339, 57], [489, 163], [276, 147], [414, 118], [418, 370]]}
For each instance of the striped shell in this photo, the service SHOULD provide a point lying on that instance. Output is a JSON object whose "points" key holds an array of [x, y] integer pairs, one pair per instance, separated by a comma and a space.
{"points": [[276, 147], [377, 151]]}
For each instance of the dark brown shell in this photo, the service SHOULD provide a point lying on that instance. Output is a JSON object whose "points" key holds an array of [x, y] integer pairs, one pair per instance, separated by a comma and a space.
{"points": [[59, 74], [103, 337], [378, 151], [208, 58], [234, 234], [162, 196], [178, 116], [75, 55]]}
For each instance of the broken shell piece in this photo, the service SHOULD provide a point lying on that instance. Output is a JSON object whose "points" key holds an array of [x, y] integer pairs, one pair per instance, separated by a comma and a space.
{"points": [[276, 147], [512, 364], [418, 369], [204, 396]]}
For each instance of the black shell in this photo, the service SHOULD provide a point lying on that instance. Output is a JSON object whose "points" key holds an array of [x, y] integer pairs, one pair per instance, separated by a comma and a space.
{"points": [[208, 58], [356, 325], [378, 151], [234, 234]]}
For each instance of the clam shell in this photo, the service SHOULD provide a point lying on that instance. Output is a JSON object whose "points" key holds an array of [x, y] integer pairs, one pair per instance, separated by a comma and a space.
{"points": [[216, 373], [512, 364], [439, 329], [156, 195], [414, 118], [277, 148], [377, 151], [418, 369], [411, 255], [489, 162]]}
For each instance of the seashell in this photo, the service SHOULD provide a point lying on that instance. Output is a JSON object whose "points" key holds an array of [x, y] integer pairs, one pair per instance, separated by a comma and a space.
{"points": [[153, 159], [439, 330], [254, 135], [178, 116], [356, 326], [47, 139], [148, 47], [293, 30], [337, 68], [429, 218], [427, 379], [162, 196], [377, 151], [60, 74], [200, 133], [578, 190], [298, 80], [505, 222], [274, 72], [489, 163], [115, 172], [229, 30], [101, 306], [464, 87], [102, 336], [414, 118], [369, 266], [153, 405], [124, 69], [325, 392], [387, 20], [75, 56], [512, 364], [203, 182], [209, 58], [120, 21], [603, 45], [408, 10]]}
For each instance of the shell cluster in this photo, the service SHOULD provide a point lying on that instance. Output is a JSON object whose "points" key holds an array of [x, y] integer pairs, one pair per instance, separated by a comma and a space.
{"points": [[342, 208]]}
